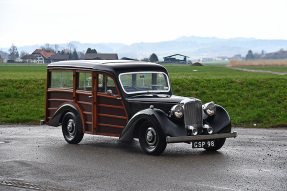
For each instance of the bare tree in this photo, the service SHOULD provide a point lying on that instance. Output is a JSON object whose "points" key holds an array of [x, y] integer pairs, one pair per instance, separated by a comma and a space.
{"points": [[4, 55], [56, 47], [81, 55], [71, 47], [14, 54], [48, 48], [23, 53]]}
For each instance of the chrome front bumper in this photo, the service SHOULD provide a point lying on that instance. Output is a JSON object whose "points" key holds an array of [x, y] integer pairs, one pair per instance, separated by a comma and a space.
{"points": [[200, 137]]}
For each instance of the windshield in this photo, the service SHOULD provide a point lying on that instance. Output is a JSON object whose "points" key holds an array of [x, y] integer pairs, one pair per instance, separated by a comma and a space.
{"points": [[142, 82]]}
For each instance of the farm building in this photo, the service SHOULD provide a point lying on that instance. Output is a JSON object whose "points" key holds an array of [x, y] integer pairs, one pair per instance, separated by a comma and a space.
{"points": [[42, 56], [59, 57], [176, 58], [96, 56], [29, 58]]}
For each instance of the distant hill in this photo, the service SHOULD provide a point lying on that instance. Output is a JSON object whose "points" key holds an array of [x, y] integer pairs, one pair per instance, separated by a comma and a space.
{"points": [[192, 46]]}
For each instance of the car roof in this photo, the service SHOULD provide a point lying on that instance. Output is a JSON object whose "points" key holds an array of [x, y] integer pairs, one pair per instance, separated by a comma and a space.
{"points": [[113, 67]]}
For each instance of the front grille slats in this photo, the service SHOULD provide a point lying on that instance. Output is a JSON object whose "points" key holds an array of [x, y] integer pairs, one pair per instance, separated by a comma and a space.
{"points": [[193, 113]]}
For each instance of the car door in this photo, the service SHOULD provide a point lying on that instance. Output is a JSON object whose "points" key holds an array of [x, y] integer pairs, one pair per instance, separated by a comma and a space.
{"points": [[111, 116]]}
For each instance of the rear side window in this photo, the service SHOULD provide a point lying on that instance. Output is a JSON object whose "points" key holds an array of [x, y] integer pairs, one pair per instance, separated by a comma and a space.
{"points": [[85, 81], [62, 79]]}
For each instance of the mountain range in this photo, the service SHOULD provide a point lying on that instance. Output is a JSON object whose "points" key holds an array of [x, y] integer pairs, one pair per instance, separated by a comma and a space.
{"points": [[192, 46]]}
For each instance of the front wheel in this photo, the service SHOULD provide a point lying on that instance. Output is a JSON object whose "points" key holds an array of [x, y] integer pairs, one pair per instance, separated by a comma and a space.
{"points": [[218, 144], [71, 128], [152, 139]]}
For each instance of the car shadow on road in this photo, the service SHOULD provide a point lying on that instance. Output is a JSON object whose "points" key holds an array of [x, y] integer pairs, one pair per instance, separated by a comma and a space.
{"points": [[133, 147]]}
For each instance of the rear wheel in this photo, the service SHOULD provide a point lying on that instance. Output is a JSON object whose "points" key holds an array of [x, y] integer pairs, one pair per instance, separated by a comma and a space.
{"points": [[71, 128], [218, 144], [152, 139]]}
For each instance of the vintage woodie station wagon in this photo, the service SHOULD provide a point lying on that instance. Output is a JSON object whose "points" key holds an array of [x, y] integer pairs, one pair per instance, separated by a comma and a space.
{"points": [[130, 99]]}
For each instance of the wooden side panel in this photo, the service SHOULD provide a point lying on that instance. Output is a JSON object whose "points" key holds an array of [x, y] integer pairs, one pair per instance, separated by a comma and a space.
{"points": [[112, 116], [55, 98], [108, 100], [85, 103], [107, 109]]}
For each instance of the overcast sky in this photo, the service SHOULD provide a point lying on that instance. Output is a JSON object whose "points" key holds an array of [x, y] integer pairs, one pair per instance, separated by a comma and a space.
{"points": [[29, 22]]}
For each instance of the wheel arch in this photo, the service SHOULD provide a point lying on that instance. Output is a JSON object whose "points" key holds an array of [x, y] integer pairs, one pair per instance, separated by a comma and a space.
{"points": [[220, 122], [58, 116], [160, 119]]}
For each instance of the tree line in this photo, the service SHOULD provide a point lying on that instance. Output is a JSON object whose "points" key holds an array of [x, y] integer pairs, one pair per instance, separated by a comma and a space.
{"points": [[70, 50], [280, 54]]}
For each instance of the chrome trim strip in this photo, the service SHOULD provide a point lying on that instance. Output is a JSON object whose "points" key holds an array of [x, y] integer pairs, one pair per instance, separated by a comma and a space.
{"points": [[200, 137]]}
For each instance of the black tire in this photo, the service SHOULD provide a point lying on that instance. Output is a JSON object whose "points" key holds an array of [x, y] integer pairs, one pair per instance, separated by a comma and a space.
{"points": [[219, 143], [71, 128], [152, 139]]}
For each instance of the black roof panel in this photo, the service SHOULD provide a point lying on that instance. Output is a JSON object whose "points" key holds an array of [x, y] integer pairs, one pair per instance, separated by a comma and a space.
{"points": [[114, 67]]}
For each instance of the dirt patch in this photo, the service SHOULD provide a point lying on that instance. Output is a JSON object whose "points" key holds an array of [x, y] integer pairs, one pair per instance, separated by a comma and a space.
{"points": [[196, 64], [240, 63], [260, 71]]}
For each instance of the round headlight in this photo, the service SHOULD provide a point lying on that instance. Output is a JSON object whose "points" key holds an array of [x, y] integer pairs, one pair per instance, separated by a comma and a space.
{"points": [[209, 108], [177, 111]]}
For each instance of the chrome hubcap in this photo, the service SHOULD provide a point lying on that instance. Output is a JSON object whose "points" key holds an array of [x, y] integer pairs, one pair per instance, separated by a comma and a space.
{"points": [[71, 128], [151, 136]]}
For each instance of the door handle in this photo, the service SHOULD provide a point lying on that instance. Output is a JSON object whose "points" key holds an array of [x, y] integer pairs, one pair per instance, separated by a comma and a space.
{"points": [[119, 98], [91, 96]]}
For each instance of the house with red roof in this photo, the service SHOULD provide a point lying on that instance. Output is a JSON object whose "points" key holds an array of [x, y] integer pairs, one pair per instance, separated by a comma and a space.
{"points": [[42, 56]]}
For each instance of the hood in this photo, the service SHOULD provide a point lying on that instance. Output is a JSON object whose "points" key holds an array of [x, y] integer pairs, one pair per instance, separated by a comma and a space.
{"points": [[159, 101]]}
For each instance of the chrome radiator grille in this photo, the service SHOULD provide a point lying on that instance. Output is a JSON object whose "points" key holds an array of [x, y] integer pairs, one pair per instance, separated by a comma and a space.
{"points": [[193, 113]]}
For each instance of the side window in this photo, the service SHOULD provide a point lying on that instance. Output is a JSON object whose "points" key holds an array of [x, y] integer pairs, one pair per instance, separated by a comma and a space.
{"points": [[106, 85], [84, 81], [61, 79]]}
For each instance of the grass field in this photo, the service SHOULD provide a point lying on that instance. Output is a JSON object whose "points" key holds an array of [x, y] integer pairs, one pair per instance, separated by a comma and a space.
{"points": [[250, 98]]}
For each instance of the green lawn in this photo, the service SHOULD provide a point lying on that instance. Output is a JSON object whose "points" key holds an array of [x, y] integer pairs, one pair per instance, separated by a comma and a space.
{"points": [[250, 98], [23, 72], [214, 72]]}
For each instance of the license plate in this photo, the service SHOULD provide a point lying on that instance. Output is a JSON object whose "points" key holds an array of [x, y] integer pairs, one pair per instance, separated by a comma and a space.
{"points": [[203, 144]]}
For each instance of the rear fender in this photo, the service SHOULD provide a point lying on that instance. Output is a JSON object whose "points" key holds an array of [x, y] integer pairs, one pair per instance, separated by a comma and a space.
{"points": [[62, 110]]}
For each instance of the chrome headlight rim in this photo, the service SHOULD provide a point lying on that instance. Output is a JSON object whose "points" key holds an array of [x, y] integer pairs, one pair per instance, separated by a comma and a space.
{"points": [[209, 108], [177, 111]]}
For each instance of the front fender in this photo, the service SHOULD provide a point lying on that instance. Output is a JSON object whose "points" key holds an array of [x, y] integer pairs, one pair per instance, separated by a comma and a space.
{"points": [[220, 122], [62, 110], [158, 117]]}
